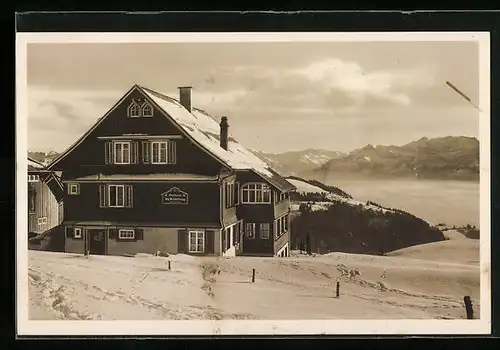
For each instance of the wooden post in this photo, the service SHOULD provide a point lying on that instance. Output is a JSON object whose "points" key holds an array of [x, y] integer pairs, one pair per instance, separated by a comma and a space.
{"points": [[468, 307], [338, 289], [169, 264], [253, 275]]}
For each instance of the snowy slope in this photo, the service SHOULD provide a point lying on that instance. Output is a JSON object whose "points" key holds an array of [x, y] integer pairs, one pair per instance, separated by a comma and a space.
{"points": [[67, 286], [304, 188]]}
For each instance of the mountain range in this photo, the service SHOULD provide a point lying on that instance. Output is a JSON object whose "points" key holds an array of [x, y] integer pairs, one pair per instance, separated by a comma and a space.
{"points": [[444, 158]]}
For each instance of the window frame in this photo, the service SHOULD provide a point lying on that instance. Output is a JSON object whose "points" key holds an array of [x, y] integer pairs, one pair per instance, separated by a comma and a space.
{"points": [[230, 199], [33, 178], [198, 234], [261, 230], [71, 186], [134, 106], [80, 230], [123, 234], [115, 153], [264, 188], [116, 196], [253, 230], [170, 152], [282, 225], [143, 108]]}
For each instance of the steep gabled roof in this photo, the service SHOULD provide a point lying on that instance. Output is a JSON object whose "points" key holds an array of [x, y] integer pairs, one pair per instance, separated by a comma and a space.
{"points": [[34, 164], [204, 130]]}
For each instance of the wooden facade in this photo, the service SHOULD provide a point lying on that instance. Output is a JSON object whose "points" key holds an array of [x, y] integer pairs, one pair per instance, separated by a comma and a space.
{"points": [[44, 199], [155, 175]]}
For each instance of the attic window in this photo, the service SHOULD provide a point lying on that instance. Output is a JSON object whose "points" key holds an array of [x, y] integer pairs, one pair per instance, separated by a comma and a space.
{"points": [[147, 110], [134, 110]]}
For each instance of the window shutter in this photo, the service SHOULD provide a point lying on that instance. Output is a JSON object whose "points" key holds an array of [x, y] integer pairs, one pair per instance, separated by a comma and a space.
{"points": [[69, 232], [77, 188], [129, 196], [237, 193], [139, 234], [145, 152], [182, 241], [102, 196], [172, 158], [134, 152], [209, 242], [108, 153], [113, 233]]}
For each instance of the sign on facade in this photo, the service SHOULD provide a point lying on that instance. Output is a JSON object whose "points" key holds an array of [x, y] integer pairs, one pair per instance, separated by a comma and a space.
{"points": [[174, 196]]}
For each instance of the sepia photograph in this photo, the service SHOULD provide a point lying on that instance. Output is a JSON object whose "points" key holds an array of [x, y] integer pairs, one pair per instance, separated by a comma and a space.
{"points": [[271, 183]]}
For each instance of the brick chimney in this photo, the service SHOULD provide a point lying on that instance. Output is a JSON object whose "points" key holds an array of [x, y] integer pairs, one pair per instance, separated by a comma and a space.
{"points": [[185, 97], [224, 126]]}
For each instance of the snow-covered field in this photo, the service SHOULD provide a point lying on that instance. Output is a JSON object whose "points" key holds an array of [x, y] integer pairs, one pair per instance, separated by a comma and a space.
{"points": [[421, 282], [304, 187]]}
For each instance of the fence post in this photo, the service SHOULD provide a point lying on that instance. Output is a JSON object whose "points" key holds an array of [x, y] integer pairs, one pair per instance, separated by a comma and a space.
{"points": [[468, 307], [169, 264], [338, 289], [253, 275]]}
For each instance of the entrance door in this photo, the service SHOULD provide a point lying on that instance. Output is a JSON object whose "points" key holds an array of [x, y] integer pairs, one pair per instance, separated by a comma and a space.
{"points": [[97, 241]]}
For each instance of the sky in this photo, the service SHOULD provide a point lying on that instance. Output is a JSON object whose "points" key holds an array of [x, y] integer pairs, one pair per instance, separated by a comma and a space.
{"points": [[278, 97]]}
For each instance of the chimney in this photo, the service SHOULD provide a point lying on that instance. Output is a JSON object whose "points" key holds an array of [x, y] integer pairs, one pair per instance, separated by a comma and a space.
{"points": [[223, 132], [185, 97]]}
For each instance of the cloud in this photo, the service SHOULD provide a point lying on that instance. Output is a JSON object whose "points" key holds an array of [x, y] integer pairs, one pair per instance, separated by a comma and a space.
{"points": [[361, 86]]}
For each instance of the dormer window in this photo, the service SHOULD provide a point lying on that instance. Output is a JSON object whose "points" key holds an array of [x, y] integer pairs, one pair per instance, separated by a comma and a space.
{"points": [[134, 111], [147, 110]]}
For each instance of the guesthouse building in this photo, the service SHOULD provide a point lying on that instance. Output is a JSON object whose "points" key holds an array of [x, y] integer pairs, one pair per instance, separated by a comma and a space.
{"points": [[156, 174]]}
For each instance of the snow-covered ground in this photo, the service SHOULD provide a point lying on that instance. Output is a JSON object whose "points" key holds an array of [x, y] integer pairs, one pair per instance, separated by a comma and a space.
{"points": [[421, 282], [304, 188]]}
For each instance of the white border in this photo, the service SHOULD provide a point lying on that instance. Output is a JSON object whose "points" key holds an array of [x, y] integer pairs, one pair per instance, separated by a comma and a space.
{"points": [[28, 327]]}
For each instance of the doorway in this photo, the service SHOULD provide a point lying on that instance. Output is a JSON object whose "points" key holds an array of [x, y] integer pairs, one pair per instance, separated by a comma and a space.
{"points": [[97, 241]]}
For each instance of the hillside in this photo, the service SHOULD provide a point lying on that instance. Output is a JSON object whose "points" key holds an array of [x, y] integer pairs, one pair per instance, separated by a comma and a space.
{"points": [[43, 157], [297, 162], [445, 158], [71, 287], [340, 223]]}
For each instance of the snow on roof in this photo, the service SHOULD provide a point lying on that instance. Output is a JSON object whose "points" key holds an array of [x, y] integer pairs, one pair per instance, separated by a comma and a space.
{"points": [[205, 130], [34, 164]]}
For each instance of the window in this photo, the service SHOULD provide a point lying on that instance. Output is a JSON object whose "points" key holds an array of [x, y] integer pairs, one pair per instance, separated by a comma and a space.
{"points": [[230, 198], [147, 110], [134, 110], [73, 189], [77, 233], [256, 193], [250, 229], [163, 152], [281, 225], [196, 241], [121, 152], [265, 230], [115, 196], [126, 234], [33, 178], [42, 221], [282, 196]]}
